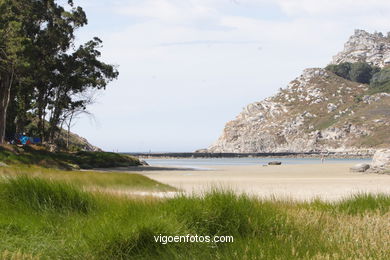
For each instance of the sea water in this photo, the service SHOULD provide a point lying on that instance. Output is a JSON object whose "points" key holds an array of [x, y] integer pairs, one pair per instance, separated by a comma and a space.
{"points": [[185, 162]]}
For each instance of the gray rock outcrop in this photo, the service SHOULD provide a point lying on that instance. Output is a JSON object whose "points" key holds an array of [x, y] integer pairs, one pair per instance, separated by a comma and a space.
{"points": [[381, 161], [361, 167], [365, 47]]}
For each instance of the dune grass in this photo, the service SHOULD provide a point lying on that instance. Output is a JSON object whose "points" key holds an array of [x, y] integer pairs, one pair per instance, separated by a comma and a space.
{"points": [[41, 195], [89, 179], [358, 204], [52, 219]]}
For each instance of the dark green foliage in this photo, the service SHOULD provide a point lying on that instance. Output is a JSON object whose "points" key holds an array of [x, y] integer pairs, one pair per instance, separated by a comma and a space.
{"points": [[379, 79], [362, 72], [341, 70], [359, 72], [43, 76], [380, 82]]}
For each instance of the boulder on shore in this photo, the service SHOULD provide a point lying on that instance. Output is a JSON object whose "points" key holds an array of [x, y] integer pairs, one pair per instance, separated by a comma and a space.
{"points": [[381, 161], [275, 163], [143, 163], [361, 167]]}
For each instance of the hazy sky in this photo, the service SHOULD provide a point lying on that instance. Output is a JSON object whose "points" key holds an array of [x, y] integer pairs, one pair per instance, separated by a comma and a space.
{"points": [[189, 66]]}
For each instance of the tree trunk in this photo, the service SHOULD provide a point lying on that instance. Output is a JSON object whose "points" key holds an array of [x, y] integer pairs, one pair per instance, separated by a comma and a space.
{"points": [[5, 92], [68, 134], [42, 103], [22, 104]]}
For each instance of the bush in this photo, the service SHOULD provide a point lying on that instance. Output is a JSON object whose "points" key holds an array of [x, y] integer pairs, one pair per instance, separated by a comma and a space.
{"points": [[380, 82], [341, 70], [361, 72]]}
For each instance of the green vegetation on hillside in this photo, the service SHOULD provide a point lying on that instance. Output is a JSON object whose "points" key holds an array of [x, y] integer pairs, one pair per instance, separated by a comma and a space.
{"points": [[361, 72], [358, 72], [34, 155], [380, 81], [93, 226]]}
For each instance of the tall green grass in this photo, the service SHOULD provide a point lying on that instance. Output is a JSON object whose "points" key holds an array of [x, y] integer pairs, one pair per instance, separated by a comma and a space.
{"points": [[90, 179], [41, 194], [358, 204], [55, 220]]}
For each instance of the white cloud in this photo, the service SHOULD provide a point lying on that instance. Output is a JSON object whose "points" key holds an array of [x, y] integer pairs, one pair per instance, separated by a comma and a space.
{"points": [[187, 67], [332, 7], [169, 11]]}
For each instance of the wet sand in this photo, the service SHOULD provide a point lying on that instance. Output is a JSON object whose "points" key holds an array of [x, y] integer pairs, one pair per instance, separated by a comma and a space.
{"points": [[298, 182]]}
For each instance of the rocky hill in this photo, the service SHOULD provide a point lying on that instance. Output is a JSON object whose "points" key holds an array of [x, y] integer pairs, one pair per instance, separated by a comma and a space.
{"points": [[77, 142], [318, 111], [363, 46]]}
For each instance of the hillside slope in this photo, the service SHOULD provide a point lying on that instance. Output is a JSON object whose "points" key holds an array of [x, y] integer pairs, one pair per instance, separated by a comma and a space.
{"points": [[77, 142], [318, 111]]}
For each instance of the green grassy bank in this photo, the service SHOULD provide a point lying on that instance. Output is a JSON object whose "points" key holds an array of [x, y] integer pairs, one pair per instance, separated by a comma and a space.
{"points": [[53, 219], [38, 156], [89, 180]]}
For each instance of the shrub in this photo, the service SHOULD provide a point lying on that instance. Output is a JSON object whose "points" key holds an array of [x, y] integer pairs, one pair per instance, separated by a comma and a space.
{"points": [[361, 72], [341, 70], [380, 81]]}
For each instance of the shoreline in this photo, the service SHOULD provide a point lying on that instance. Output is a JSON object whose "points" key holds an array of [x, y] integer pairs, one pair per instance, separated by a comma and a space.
{"points": [[250, 155], [302, 182], [143, 169]]}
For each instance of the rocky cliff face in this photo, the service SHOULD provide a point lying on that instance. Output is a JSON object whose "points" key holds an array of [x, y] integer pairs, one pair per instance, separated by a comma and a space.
{"points": [[318, 111], [363, 46], [381, 161]]}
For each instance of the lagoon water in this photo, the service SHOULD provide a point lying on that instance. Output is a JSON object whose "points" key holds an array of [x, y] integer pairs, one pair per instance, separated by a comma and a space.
{"points": [[245, 161]]}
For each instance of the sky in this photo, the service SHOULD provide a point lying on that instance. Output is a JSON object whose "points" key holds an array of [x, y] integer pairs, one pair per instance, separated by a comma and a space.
{"points": [[189, 66]]}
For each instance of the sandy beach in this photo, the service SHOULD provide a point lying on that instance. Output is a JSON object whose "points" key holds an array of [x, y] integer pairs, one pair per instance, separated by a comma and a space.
{"points": [[299, 182]]}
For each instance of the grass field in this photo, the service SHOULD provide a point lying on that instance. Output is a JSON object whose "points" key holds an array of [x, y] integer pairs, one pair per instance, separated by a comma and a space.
{"points": [[54, 218]]}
